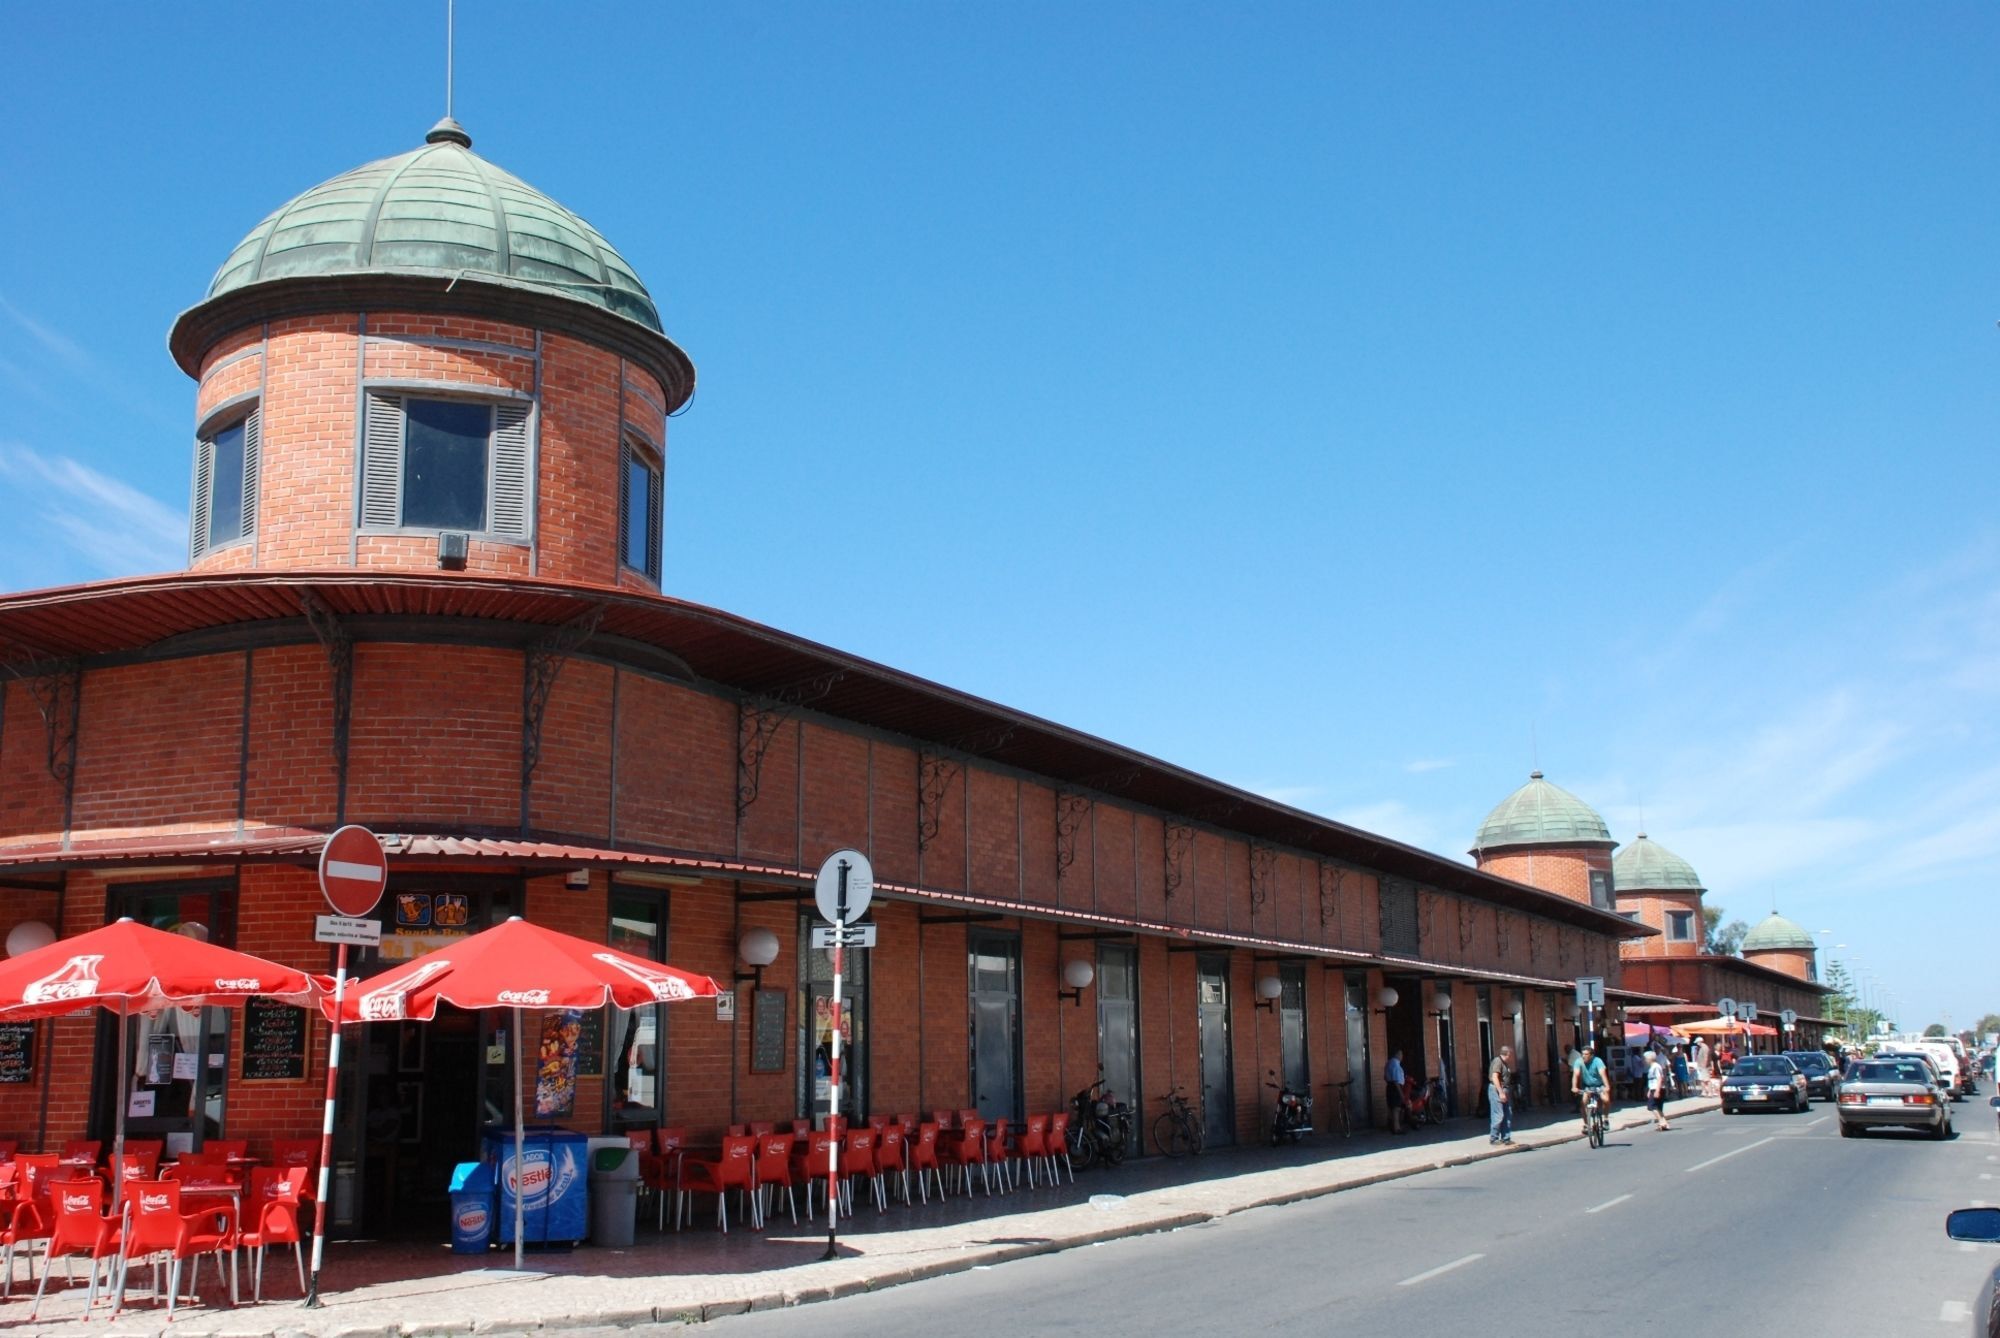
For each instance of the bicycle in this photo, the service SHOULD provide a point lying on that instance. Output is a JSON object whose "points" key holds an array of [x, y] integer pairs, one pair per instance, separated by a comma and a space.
{"points": [[1593, 1119], [1178, 1131], [1337, 1121]]}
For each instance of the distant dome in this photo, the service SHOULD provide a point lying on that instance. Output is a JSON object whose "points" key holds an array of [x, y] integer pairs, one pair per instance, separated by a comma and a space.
{"points": [[1542, 814], [1648, 866], [439, 209], [1775, 932]]}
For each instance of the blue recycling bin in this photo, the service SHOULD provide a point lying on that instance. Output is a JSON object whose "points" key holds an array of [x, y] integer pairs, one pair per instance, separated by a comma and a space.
{"points": [[471, 1207], [554, 1183]]}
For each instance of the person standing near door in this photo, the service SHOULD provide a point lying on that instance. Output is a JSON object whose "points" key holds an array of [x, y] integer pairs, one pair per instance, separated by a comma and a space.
{"points": [[1500, 1097], [1392, 1076]]}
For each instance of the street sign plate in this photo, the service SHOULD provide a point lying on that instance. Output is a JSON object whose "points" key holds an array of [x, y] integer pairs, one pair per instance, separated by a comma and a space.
{"points": [[725, 1006], [1726, 1007], [353, 871], [1788, 1016], [1747, 1011], [1590, 991], [343, 929], [860, 886], [857, 936]]}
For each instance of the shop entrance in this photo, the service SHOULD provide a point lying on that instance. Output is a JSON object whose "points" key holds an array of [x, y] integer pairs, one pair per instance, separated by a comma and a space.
{"points": [[1218, 1089], [1118, 1025], [995, 961], [1404, 1029], [1292, 1065], [1360, 1094]]}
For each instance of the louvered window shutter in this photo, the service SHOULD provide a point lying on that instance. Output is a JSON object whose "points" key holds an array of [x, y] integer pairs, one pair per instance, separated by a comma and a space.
{"points": [[382, 462], [252, 456], [655, 507], [204, 473], [509, 517]]}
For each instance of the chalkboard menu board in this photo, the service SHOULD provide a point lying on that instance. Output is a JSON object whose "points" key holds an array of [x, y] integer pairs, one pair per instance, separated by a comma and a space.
{"points": [[17, 1052], [590, 1045], [274, 1041], [767, 1031]]}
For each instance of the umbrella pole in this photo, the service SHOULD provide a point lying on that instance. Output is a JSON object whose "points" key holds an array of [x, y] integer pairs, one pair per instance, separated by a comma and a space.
{"points": [[118, 1141], [520, 1140], [323, 1204]]}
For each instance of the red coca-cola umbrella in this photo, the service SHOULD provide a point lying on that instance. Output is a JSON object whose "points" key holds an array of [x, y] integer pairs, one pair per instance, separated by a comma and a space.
{"points": [[132, 968], [518, 965]]}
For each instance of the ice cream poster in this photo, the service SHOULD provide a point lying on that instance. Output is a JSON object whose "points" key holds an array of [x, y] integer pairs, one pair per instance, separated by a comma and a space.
{"points": [[555, 1071]]}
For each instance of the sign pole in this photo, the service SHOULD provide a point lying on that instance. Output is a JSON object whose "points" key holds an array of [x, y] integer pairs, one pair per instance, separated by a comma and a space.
{"points": [[833, 1098], [322, 1206]]}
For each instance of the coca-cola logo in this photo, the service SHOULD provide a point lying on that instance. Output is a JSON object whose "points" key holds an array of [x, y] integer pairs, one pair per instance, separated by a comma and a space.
{"points": [[391, 1002], [154, 1203], [247, 984], [532, 997], [665, 986], [472, 1219], [74, 979], [77, 1203]]}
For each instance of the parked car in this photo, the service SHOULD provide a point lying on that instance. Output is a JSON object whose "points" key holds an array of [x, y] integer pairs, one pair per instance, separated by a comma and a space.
{"points": [[1821, 1079], [1761, 1082], [1893, 1092], [1981, 1226], [1938, 1056]]}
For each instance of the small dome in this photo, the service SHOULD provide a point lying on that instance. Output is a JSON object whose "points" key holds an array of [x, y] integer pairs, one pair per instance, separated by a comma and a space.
{"points": [[1648, 866], [1542, 814], [1776, 933], [440, 209]]}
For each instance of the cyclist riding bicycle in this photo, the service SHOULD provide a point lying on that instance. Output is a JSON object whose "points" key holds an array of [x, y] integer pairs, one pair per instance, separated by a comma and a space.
{"points": [[1589, 1083]]}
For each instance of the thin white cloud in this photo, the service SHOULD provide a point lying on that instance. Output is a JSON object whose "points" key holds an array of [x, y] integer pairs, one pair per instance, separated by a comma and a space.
{"points": [[1424, 764], [111, 525], [78, 362]]}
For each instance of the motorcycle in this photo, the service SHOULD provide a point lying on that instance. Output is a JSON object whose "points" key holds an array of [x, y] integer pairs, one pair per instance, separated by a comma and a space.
{"points": [[1425, 1104], [1292, 1117], [1100, 1126]]}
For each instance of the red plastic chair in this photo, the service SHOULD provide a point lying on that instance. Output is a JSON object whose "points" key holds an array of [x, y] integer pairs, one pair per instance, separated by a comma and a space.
{"points": [[139, 1166], [77, 1149], [758, 1128], [965, 1148], [303, 1153], [29, 1216], [999, 1149], [8, 1147], [923, 1156], [809, 1160], [802, 1127], [944, 1119], [857, 1160], [773, 1171], [272, 1218], [1031, 1145], [80, 1230], [892, 1148], [731, 1171], [158, 1228], [1059, 1145], [141, 1146], [661, 1172]]}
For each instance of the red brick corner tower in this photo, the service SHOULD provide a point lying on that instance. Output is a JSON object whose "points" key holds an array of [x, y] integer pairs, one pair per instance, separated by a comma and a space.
{"points": [[1659, 889], [1546, 837]]}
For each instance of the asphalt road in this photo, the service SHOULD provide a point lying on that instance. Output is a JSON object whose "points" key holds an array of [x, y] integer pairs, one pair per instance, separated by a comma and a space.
{"points": [[1767, 1223]]}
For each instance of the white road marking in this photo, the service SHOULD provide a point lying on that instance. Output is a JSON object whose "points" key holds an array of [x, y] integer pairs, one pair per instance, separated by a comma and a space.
{"points": [[1986, 1175], [1954, 1312], [1966, 1247], [1703, 1165], [1441, 1268], [1814, 1124], [1611, 1203]]}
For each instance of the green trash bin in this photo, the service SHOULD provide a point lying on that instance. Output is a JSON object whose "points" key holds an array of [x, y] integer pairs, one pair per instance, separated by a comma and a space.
{"points": [[614, 1195]]}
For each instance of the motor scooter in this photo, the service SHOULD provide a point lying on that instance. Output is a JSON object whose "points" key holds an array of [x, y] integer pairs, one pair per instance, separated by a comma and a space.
{"points": [[1292, 1117], [1424, 1104]]}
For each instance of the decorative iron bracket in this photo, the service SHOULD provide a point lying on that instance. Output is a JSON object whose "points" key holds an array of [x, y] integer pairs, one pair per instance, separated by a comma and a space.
{"points": [[1534, 943], [1072, 811], [758, 720], [1464, 926], [56, 685], [339, 648], [542, 664], [935, 773], [1263, 870], [1329, 894], [1562, 948], [1426, 918], [1500, 933], [1178, 843], [1110, 782]]}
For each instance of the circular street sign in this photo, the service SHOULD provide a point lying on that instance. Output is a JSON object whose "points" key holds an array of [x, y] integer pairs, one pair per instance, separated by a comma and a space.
{"points": [[353, 871], [1788, 1016], [1726, 1007], [860, 886]]}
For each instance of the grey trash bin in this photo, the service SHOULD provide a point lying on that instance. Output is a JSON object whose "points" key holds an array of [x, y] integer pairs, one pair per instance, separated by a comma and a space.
{"points": [[614, 1195]]}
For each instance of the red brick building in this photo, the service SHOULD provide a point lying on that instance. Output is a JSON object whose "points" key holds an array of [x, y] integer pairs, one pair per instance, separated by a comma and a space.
{"points": [[423, 594]]}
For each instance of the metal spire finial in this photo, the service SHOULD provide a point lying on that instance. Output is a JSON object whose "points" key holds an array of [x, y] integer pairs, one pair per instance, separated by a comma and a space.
{"points": [[450, 16]]}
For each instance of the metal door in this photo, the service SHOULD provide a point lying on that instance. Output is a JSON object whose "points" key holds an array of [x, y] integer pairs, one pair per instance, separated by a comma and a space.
{"points": [[1360, 1098], [1118, 1026], [994, 961], [1218, 1089], [1485, 1045], [1519, 1009], [1292, 1067]]}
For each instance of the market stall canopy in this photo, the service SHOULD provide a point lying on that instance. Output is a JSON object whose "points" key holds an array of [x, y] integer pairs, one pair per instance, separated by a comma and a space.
{"points": [[1724, 1026]]}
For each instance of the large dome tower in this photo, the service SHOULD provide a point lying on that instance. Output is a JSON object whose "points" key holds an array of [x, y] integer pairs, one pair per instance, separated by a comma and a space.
{"points": [[1546, 837]]}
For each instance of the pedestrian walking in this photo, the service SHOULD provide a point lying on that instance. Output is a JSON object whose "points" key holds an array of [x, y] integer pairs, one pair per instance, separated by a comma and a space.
{"points": [[1656, 1090], [1500, 1099], [1392, 1075], [1681, 1074]]}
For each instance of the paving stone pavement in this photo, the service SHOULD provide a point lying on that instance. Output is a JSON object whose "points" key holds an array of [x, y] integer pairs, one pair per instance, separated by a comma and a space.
{"points": [[371, 1290]]}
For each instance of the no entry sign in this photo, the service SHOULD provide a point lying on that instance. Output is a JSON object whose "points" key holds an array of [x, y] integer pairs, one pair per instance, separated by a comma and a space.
{"points": [[353, 871]]}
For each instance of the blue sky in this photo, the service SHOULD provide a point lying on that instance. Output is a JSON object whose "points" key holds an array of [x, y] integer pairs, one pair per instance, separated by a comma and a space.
{"points": [[1356, 403]]}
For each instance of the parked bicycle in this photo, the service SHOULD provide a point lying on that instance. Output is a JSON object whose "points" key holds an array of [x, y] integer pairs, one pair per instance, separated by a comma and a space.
{"points": [[1337, 1120], [1178, 1131]]}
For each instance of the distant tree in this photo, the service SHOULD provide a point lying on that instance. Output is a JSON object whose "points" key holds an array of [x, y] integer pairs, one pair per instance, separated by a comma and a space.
{"points": [[1722, 939], [1987, 1025], [1935, 1029]]}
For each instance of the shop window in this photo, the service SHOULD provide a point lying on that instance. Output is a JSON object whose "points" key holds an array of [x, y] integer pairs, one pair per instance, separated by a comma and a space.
{"points": [[446, 464], [639, 512], [226, 461], [1600, 889], [1680, 926], [816, 1027], [638, 1041]]}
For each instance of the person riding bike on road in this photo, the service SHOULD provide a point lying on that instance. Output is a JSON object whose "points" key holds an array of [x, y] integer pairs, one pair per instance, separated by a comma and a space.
{"points": [[1588, 1081]]}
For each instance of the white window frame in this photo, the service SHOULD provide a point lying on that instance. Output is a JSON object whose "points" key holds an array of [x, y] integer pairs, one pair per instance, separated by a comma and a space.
{"points": [[510, 461], [201, 504], [639, 449], [1688, 937]]}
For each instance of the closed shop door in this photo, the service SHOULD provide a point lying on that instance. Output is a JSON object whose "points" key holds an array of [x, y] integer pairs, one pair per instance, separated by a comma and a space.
{"points": [[1118, 1026], [1292, 1066], [995, 963], [1218, 1090], [1360, 1099]]}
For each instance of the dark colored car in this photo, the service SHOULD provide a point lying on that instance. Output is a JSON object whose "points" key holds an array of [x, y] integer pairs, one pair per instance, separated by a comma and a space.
{"points": [[1894, 1092], [1764, 1082], [1982, 1226], [1821, 1078]]}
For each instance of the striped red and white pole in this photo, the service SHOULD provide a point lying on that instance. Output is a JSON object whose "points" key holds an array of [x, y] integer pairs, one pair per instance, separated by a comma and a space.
{"points": [[326, 1127]]}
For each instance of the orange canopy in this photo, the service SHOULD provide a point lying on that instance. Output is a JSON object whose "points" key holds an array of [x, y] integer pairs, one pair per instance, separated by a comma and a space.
{"points": [[1724, 1026]]}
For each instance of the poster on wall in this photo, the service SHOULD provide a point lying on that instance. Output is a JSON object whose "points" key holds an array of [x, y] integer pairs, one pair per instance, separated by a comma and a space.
{"points": [[17, 1052], [555, 1073]]}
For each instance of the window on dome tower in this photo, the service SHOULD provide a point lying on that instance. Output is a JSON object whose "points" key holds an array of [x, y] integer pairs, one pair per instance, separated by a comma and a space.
{"points": [[225, 485], [639, 507], [1600, 889], [446, 464], [1680, 926]]}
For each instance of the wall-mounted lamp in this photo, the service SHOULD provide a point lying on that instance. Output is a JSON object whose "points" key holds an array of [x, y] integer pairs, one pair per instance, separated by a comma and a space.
{"points": [[1077, 974], [1386, 998], [758, 949], [577, 880], [28, 936], [1441, 1002], [1268, 990]]}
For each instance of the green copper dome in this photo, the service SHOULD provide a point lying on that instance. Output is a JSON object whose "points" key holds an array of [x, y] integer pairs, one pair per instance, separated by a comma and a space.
{"points": [[1646, 865], [1541, 814], [441, 210], [1777, 933]]}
